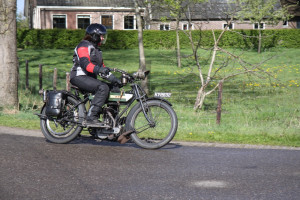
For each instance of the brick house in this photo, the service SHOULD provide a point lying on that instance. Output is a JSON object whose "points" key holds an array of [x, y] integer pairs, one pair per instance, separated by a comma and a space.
{"points": [[120, 15]]}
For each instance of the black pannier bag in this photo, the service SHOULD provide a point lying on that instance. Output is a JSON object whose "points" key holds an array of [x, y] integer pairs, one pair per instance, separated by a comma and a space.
{"points": [[55, 101]]}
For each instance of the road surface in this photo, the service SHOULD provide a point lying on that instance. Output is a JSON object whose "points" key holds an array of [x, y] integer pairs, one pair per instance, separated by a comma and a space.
{"points": [[32, 168]]}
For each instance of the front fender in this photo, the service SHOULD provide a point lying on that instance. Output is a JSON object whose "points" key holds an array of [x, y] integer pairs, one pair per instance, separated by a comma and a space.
{"points": [[160, 99]]}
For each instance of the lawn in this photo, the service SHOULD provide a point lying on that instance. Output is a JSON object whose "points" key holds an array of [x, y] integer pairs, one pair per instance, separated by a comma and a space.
{"points": [[254, 110]]}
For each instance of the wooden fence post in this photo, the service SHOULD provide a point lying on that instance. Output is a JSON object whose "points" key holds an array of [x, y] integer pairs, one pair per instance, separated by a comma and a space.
{"points": [[41, 76], [219, 108], [54, 78], [68, 85], [27, 76]]}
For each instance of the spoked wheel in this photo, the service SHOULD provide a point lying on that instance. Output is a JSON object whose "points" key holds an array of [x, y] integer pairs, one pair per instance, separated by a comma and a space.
{"points": [[159, 132], [58, 130]]}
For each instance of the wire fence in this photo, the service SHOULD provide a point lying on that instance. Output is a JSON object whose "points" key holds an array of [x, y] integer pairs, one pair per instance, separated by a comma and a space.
{"points": [[242, 99]]}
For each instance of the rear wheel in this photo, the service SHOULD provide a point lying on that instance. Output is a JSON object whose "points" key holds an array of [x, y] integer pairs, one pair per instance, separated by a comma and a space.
{"points": [[62, 130], [159, 132]]}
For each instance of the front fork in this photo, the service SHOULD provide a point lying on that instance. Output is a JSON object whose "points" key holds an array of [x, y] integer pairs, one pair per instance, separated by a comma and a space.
{"points": [[142, 100]]}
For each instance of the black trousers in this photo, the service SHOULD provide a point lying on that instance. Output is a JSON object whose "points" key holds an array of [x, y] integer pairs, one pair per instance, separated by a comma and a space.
{"points": [[89, 84]]}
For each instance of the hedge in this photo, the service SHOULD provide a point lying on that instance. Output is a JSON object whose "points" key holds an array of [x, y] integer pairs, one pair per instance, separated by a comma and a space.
{"points": [[154, 39]]}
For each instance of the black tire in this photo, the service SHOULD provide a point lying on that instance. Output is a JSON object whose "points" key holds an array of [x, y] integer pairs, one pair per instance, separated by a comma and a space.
{"points": [[158, 135], [66, 131]]}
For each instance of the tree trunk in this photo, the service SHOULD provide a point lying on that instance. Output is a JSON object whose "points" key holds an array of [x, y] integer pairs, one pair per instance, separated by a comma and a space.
{"points": [[142, 67], [259, 41], [200, 98], [8, 54], [178, 44]]}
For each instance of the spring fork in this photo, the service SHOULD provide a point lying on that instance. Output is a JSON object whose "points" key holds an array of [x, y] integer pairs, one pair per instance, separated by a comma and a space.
{"points": [[142, 100]]}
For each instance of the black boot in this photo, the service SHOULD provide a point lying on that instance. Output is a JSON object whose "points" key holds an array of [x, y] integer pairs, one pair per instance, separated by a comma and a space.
{"points": [[92, 119]]}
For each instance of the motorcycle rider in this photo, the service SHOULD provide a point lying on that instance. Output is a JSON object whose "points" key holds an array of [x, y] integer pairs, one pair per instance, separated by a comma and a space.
{"points": [[87, 65]]}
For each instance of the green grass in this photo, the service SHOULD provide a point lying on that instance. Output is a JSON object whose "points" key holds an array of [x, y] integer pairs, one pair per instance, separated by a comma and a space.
{"points": [[254, 110]]}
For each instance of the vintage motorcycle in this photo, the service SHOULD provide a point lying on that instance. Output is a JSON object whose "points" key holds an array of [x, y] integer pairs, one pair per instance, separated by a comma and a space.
{"points": [[150, 122]]}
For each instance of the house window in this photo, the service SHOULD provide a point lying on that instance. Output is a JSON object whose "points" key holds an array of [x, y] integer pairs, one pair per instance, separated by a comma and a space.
{"points": [[164, 27], [129, 22], [229, 27], [298, 24], [83, 21], [260, 26], [107, 21], [187, 27], [285, 24], [59, 21]]}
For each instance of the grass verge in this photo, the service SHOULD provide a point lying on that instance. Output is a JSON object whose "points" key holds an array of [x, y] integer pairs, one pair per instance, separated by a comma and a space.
{"points": [[254, 110]]}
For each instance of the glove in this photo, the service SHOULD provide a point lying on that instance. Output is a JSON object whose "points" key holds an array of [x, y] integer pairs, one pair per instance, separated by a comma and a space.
{"points": [[104, 71], [114, 81], [115, 89]]}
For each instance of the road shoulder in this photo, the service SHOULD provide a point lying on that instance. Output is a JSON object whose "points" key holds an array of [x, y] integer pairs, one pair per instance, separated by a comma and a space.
{"points": [[37, 133]]}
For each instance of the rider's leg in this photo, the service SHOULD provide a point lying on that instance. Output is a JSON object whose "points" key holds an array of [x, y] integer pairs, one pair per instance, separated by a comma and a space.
{"points": [[98, 101], [99, 89]]}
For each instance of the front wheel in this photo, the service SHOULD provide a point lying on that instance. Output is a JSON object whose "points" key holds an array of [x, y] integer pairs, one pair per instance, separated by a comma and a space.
{"points": [[159, 132], [62, 130]]}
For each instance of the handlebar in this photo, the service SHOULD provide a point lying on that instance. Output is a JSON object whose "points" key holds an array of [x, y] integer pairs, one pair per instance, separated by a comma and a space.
{"points": [[126, 77], [119, 70]]}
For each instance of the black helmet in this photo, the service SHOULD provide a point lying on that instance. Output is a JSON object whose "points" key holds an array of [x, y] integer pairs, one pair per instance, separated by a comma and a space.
{"points": [[96, 30]]}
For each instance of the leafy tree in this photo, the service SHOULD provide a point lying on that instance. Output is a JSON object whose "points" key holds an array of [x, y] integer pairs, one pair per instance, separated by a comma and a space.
{"points": [[8, 54], [262, 11], [22, 22], [176, 9]]}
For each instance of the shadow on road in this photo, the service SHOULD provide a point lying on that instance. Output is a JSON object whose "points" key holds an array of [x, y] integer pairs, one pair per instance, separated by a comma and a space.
{"points": [[91, 141]]}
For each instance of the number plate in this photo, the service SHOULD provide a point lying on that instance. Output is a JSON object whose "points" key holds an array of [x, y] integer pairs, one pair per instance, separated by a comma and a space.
{"points": [[162, 94]]}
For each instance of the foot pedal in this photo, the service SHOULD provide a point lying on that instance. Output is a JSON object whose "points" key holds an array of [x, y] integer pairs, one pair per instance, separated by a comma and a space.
{"points": [[125, 137], [96, 125]]}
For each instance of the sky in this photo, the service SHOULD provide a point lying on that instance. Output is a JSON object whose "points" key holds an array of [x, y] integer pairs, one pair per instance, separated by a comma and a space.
{"points": [[20, 6]]}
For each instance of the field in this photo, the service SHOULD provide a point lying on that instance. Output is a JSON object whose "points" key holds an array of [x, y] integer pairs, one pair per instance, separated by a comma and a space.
{"points": [[255, 110]]}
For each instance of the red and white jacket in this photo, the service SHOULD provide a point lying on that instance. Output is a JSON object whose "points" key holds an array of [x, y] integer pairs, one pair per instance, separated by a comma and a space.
{"points": [[87, 60]]}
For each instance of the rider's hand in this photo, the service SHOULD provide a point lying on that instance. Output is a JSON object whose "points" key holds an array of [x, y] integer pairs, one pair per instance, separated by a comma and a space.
{"points": [[104, 71], [115, 81]]}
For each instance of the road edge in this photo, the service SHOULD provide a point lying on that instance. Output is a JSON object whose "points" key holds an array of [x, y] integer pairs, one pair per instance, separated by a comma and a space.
{"points": [[38, 133]]}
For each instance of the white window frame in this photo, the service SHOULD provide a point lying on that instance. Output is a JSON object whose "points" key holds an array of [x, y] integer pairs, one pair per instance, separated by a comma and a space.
{"points": [[164, 28], [66, 17], [81, 15], [228, 26], [113, 20], [134, 22], [264, 26], [188, 27]]}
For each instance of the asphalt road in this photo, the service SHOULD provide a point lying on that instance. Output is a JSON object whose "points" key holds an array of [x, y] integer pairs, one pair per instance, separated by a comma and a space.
{"points": [[31, 168]]}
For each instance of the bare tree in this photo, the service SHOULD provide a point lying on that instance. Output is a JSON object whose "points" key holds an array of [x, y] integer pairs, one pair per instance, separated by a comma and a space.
{"points": [[8, 54], [210, 73], [214, 69]]}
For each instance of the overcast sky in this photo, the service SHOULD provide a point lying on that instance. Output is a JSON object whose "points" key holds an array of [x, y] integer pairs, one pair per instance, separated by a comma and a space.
{"points": [[20, 6]]}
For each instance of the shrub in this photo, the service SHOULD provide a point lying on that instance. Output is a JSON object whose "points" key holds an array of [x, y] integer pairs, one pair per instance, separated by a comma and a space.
{"points": [[154, 39]]}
